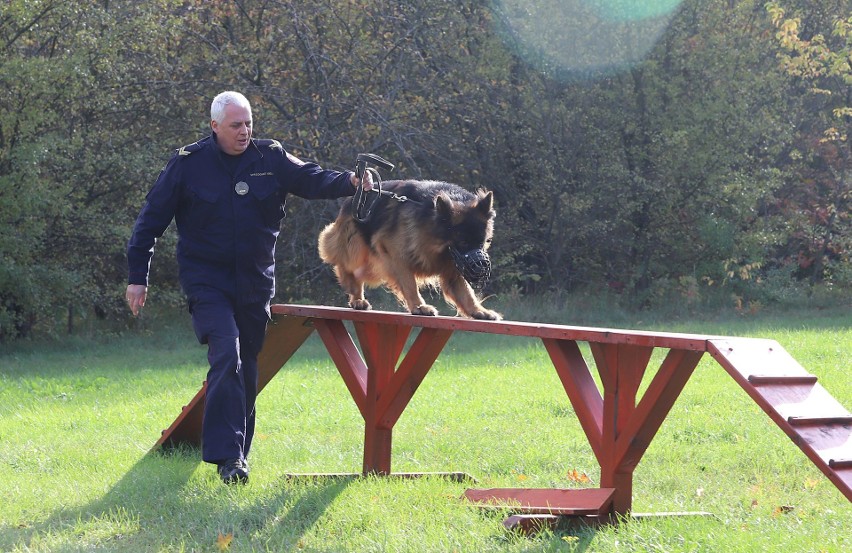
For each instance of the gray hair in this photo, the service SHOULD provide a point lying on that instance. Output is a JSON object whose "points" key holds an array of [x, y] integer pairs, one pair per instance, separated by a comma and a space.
{"points": [[217, 107]]}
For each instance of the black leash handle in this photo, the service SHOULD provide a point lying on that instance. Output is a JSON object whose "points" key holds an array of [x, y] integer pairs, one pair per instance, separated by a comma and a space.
{"points": [[361, 208], [361, 161]]}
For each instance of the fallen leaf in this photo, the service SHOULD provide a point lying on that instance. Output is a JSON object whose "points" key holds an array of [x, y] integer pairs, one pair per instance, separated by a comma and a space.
{"points": [[576, 476], [223, 542], [782, 510]]}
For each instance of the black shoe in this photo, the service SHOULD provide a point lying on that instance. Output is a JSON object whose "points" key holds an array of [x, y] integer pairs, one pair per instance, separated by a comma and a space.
{"points": [[234, 471]]}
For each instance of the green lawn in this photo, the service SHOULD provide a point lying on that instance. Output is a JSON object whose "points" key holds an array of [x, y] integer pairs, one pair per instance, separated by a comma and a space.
{"points": [[77, 422]]}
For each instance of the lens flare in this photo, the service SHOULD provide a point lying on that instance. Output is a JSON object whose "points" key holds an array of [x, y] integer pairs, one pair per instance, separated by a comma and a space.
{"points": [[566, 37], [632, 10]]}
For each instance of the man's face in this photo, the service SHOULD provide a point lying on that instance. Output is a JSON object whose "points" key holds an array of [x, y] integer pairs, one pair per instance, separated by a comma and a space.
{"points": [[234, 132]]}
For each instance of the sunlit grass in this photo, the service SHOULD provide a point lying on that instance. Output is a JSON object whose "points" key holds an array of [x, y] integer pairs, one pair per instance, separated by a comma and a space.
{"points": [[77, 422]]}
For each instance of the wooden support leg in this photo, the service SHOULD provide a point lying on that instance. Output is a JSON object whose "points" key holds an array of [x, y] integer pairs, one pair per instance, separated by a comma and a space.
{"points": [[622, 483], [621, 368], [381, 345], [630, 426], [381, 392], [377, 450]]}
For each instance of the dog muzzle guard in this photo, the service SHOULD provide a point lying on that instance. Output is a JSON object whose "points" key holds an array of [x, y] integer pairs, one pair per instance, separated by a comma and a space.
{"points": [[474, 265]]}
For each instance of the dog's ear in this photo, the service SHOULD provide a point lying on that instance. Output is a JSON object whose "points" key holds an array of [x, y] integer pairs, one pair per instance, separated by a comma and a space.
{"points": [[443, 205], [486, 204]]}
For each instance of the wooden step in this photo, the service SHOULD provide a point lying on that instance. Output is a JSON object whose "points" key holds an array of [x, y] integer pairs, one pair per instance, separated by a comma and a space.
{"points": [[545, 501], [840, 464], [820, 421], [782, 380]]}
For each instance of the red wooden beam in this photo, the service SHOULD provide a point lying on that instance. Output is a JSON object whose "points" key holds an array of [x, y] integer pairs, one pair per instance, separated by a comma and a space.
{"points": [[346, 358], [581, 389], [670, 340], [410, 374], [654, 407]]}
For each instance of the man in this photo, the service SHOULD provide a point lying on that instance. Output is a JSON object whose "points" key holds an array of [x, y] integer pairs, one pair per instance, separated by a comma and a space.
{"points": [[226, 194]]}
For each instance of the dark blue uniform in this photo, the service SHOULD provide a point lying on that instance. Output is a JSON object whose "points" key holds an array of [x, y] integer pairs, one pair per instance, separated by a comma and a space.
{"points": [[228, 211]]}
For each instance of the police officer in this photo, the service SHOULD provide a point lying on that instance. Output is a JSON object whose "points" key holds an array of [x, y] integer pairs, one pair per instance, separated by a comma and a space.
{"points": [[226, 194]]}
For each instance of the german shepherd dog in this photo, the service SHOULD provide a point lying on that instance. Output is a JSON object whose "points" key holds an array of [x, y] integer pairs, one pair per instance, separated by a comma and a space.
{"points": [[406, 243]]}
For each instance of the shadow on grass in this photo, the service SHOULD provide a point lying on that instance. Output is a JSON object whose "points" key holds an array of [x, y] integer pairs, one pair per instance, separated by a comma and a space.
{"points": [[127, 504], [161, 503], [313, 497]]}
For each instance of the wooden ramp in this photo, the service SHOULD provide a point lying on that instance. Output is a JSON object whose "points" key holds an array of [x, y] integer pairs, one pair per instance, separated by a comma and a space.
{"points": [[283, 338], [795, 401]]}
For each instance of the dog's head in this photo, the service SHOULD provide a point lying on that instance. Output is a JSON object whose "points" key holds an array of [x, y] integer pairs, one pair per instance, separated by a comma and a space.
{"points": [[470, 226]]}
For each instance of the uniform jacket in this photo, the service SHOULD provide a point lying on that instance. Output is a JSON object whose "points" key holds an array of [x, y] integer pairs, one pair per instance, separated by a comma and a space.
{"points": [[227, 219]]}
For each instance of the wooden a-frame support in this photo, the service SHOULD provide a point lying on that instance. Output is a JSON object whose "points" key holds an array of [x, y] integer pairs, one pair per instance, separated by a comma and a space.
{"points": [[382, 378]]}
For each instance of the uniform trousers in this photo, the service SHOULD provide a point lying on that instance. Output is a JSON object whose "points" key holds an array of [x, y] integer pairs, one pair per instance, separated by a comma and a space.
{"points": [[234, 335]]}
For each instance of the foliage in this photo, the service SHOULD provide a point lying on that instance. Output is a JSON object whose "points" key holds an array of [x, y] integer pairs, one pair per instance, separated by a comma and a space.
{"points": [[79, 106], [716, 157], [817, 201]]}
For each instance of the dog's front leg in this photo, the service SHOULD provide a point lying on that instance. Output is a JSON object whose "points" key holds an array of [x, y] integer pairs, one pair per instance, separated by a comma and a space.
{"points": [[413, 300], [458, 292]]}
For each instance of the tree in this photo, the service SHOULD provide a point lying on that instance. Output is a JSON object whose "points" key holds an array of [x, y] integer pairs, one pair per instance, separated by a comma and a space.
{"points": [[79, 102], [817, 199]]}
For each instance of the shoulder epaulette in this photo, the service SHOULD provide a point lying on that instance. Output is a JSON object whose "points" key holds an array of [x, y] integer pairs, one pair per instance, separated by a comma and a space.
{"points": [[272, 143], [188, 149]]}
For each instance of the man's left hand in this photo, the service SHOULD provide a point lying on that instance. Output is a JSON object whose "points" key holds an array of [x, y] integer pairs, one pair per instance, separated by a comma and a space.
{"points": [[368, 181]]}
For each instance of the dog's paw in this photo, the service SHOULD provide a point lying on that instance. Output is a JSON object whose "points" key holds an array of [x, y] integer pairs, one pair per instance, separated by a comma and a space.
{"points": [[487, 315], [424, 309], [360, 305]]}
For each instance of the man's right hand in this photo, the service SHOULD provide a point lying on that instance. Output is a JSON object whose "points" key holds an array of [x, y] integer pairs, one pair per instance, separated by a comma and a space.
{"points": [[135, 296]]}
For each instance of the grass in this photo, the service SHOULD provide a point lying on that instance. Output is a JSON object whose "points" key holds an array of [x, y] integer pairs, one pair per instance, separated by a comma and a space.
{"points": [[77, 420]]}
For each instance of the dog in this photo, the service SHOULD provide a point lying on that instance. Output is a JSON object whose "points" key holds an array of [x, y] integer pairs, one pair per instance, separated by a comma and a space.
{"points": [[411, 239]]}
